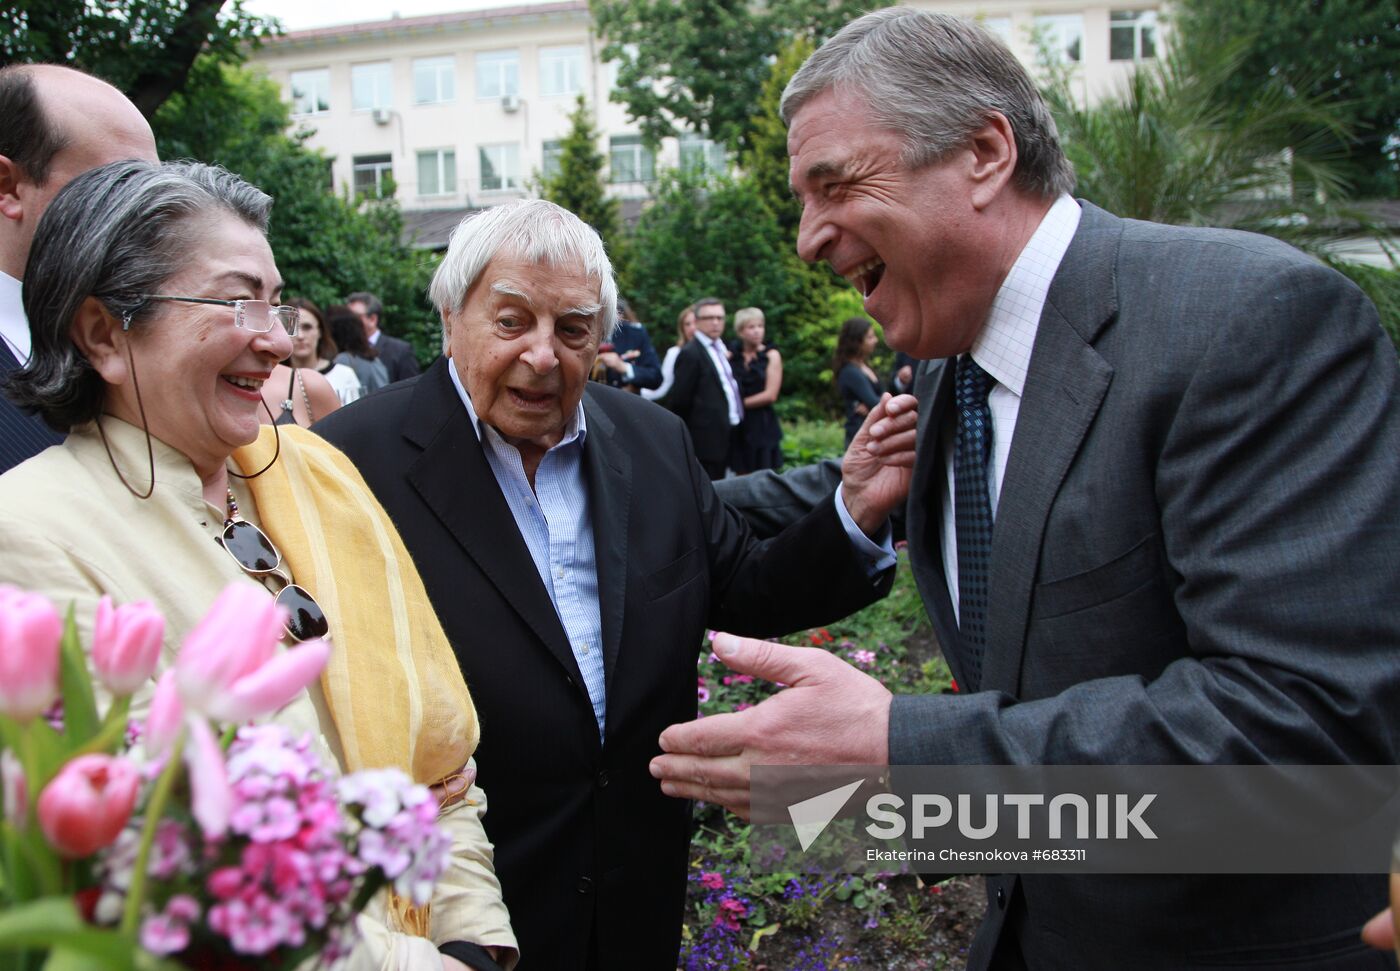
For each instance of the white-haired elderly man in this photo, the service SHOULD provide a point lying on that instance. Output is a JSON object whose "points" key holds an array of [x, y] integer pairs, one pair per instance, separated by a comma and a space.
{"points": [[575, 552]]}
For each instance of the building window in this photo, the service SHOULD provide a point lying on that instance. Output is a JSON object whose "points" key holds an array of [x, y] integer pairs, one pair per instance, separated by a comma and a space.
{"points": [[500, 167], [437, 172], [1132, 35], [311, 92], [615, 67], [371, 86], [553, 152], [373, 175], [1061, 37], [702, 155], [561, 70], [497, 74], [434, 80], [630, 161]]}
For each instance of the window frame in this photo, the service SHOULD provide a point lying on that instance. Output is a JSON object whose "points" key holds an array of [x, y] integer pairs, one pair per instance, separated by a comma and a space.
{"points": [[437, 64], [691, 143], [1053, 23], [325, 75], [503, 59], [359, 162], [553, 56], [387, 90], [1137, 23], [441, 155], [643, 159], [510, 180]]}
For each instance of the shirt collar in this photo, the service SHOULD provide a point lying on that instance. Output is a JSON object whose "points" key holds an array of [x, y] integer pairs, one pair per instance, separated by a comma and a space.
{"points": [[14, 326], [575, 429], [1003, 347]]}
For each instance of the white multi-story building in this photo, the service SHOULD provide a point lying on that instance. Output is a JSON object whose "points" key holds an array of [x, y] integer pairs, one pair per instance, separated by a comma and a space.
{"points": [[462, 110]]}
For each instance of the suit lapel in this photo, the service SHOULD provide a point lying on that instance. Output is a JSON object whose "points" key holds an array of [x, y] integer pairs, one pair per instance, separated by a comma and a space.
{"points": [[607, 469], [924, 519], [457, 484], [1065, 386]]}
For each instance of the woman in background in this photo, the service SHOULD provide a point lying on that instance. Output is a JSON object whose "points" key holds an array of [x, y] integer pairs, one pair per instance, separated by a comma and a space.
{"points": [[685, 330], [850, 368], [759, 370], [293, 395], [313, 349], [356, 352]]}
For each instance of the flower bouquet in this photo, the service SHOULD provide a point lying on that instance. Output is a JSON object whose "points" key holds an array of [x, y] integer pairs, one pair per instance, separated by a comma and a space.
{"points": [[194, 838]]}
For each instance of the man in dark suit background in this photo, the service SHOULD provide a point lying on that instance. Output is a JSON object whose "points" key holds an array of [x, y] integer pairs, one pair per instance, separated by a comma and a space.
{"points": [[705, 394], [575, 552], [58, 123], [396, 354], [628, 360], [1152, 509]]}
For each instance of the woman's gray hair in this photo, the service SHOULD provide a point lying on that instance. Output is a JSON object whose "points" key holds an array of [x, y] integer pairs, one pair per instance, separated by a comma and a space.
{"points": [[934, 79], [532, 230], [113, 232]]}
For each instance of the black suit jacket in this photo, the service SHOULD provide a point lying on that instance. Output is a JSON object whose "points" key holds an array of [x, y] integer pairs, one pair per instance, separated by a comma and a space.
{"points": [[646, 366], [21, 435], [697, 396], [1192, 562], [397, 356], [587, 847]]}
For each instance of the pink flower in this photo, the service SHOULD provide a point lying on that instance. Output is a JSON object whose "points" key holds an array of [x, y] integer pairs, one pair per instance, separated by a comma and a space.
{"points": [[166, 717], [169, 932], [126, 644], [730, 912], [211, 801], [16, 794], [862, 658], [230, 668], [711, 880], [85, 806], [30, 629]]}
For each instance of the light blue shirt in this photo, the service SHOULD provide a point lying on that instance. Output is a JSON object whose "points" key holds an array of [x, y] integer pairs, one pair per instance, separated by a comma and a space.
{"points": [[557, 526]]}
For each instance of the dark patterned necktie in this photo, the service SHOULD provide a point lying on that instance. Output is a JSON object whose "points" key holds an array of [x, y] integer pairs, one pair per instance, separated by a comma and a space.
{"points": [[972, 509]]}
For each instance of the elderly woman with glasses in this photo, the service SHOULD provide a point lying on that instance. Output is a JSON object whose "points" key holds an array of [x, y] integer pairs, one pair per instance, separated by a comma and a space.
{"points": [[152, 297]]}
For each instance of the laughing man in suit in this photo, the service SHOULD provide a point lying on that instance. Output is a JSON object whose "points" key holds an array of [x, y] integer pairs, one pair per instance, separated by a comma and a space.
{"points": [[1153, 504], [575, 552]]}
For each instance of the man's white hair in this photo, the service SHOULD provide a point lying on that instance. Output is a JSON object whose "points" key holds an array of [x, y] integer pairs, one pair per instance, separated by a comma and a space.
{"points": [[532, 230]]}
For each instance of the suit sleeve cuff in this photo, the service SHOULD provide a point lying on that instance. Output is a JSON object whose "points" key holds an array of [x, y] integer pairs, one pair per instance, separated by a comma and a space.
{"points": [[876, 553], [472, 955]]}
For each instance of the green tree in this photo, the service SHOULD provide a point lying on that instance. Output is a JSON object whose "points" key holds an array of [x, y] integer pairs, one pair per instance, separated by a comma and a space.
{"points": [[580, 185], [1344, 52], [699, 65], [326, 245], [147, 48]]}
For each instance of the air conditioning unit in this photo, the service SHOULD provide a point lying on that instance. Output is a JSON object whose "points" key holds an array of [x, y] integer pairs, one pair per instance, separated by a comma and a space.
{"points": [[510, 103], [382, 116]]}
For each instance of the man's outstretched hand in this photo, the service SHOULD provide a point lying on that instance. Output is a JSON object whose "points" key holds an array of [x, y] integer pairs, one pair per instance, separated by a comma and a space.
{"points": [[829, 714], [879, 462]]}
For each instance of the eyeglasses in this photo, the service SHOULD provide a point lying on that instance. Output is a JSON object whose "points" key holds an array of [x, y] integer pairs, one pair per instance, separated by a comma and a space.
{"points": [[256, 316], [256, 554]]}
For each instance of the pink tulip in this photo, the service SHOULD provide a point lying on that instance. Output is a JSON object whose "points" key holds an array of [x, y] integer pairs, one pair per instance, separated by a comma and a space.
{"points": [[30, 630], [230, 667], [165, 719], [126, 644], [15, 793], [86, 805], [211, 796]]}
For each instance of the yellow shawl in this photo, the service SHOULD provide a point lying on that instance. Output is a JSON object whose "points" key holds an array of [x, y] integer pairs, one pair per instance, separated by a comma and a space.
{"points": [[393, 685]]}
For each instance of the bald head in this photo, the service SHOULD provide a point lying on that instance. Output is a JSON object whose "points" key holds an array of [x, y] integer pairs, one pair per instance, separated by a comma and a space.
{"points": [[59, 124]]}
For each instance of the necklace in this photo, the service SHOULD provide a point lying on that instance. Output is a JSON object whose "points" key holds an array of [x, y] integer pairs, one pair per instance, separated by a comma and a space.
{"points": [[232, 508]]}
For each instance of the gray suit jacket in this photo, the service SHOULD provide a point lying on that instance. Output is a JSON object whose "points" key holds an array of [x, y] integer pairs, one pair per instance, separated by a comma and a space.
{"points": [[1189, 565]]}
